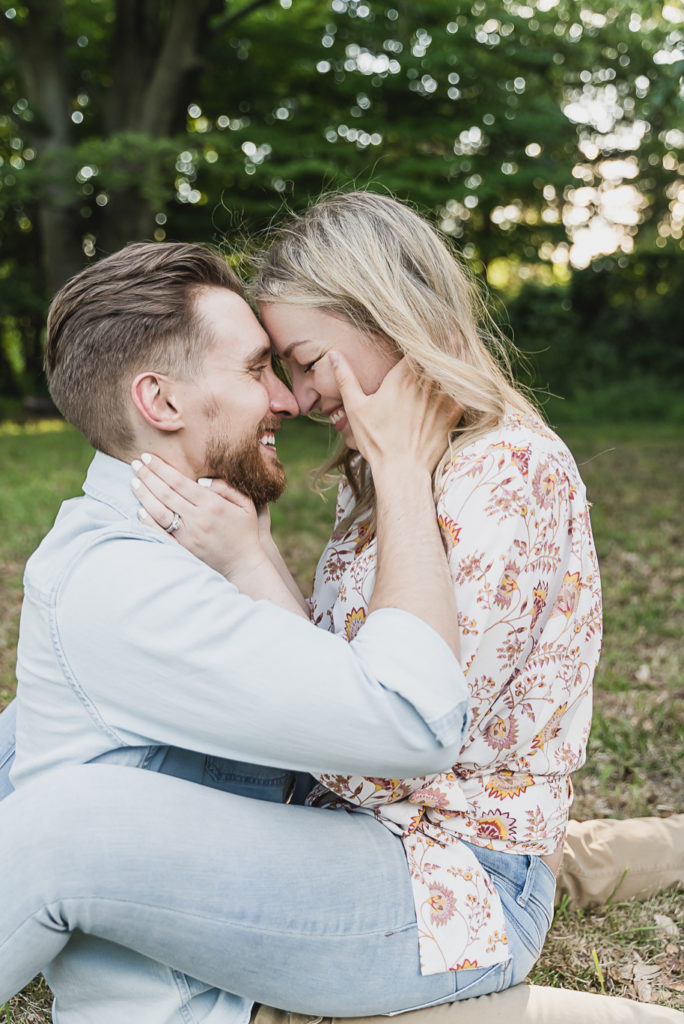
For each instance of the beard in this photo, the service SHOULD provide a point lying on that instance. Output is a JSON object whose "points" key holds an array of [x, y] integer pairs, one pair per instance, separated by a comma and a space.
{"points": [[245, 467]]}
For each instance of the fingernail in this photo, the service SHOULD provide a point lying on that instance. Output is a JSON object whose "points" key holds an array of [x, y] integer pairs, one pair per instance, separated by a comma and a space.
{"points": [[143, 513], [136, 465], [135, 483], [146, 457], [204, 481], [334, 358]]}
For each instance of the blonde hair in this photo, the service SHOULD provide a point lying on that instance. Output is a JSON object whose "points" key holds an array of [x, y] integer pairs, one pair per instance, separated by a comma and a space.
{"points": [[374, 262]]}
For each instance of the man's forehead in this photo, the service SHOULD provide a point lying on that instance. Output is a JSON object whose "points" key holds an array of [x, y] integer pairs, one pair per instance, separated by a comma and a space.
{"points": [[240, 338]]}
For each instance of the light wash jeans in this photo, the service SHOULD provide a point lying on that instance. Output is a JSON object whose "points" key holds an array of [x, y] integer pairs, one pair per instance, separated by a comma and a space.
{"points": [[302, 908], [95, 980]]}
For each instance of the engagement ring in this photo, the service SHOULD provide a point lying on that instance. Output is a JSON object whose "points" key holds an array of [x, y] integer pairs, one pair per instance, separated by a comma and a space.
{"points": [[175, 523]]}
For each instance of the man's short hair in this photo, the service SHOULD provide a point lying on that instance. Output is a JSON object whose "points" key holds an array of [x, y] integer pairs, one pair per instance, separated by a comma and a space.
{"points": [[132, 311]]}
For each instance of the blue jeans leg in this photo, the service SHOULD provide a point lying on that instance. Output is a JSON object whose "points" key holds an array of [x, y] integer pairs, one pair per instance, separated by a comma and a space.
{"points": [[96, 980], [303, 908]]}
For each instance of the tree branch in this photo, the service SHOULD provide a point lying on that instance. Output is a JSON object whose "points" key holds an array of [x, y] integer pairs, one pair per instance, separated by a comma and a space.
{"points": [[231, 19]]}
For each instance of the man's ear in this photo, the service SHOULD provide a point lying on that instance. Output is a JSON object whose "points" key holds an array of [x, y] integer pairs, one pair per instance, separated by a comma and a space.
{"points": [[154, 398]]}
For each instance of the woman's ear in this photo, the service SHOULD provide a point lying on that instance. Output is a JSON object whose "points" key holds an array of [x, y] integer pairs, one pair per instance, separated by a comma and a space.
{"points": [[154, 397]]}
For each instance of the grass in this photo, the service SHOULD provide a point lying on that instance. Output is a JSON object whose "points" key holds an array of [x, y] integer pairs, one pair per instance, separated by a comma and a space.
{"points": [[623, 949], [635, 478]]}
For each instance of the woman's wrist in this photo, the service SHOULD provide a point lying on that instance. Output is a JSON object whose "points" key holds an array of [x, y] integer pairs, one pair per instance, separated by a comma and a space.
{"points": [[269, 546], [261, 579], [399, 473], [241, 568]]}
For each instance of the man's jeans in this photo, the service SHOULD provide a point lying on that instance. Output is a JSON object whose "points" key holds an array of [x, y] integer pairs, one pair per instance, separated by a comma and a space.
{"points": [[306, 908], [97, 980]]}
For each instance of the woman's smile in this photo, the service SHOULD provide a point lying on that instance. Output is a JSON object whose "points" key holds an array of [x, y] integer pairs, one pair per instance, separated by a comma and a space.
{"points": [[338, 418], [303, 336]]}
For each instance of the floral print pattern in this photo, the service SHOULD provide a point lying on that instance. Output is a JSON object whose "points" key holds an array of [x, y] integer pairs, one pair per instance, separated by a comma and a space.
{"points": [[514, 521]]}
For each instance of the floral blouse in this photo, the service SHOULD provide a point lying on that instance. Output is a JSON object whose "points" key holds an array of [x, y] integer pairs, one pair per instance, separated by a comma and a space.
{"points": [[515, 525]]}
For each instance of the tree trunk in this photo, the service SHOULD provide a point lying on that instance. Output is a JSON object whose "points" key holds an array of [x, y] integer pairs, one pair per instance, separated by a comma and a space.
{"points": [[155, 53], [62, 253], [9, 385], [32, 337], [40, 48]]}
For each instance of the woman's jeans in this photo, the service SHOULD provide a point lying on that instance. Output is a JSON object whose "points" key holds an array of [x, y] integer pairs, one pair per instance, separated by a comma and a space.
{"points": [[302, 908]]}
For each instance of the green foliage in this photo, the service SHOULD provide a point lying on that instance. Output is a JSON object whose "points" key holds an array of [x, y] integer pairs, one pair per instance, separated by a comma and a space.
{"points": [[488, 115], [615, 329]]}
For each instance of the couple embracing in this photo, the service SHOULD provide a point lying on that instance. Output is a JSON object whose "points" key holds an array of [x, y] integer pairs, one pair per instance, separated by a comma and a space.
{"points": [[350, 806]]}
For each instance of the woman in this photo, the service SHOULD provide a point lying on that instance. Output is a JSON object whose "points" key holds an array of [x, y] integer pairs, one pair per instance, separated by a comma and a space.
{"points": [[443, 887], [364, 275]]}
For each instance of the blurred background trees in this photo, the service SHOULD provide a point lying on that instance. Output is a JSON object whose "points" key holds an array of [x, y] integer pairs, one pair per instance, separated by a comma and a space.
{"points": [[545, 137]]}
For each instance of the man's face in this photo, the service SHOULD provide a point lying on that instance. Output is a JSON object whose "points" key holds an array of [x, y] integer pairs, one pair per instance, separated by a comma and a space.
{"points": [[234, 406]]}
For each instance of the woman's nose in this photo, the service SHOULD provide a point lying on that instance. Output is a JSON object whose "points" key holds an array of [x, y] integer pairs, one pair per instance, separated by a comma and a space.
{"points": [[305, 395]]}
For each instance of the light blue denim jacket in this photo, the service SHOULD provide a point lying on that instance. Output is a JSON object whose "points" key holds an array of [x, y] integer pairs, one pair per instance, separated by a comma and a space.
{"points": [[133, 651], [129, 645], [8, 720]]}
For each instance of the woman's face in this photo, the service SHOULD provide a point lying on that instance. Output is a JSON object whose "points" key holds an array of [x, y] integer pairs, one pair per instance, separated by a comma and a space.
{"points": [[302, 337]]}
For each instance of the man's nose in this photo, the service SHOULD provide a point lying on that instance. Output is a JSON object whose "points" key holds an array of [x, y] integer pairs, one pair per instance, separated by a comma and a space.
{"points": [[283, 401]]}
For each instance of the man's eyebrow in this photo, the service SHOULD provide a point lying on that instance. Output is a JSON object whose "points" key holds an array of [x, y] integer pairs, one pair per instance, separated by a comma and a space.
{"points": [[261, 355]]}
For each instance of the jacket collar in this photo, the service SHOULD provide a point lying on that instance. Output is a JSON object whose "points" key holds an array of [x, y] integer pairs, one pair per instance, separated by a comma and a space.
{"points": [[109, 480]]}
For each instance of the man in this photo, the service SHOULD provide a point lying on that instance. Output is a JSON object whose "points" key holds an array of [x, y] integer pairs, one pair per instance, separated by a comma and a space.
{"points": [[132, 651]]}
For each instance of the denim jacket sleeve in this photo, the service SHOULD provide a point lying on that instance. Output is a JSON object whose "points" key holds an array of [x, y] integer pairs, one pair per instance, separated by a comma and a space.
{"points": [[161, 649], [8, 720]]}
